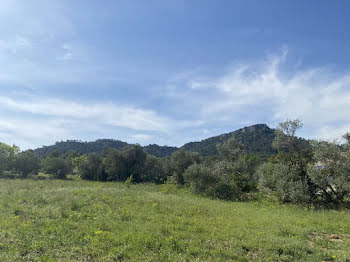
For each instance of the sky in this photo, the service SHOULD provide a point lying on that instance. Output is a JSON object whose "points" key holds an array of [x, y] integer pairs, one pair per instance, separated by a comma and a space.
{"points": [[171, 71]]}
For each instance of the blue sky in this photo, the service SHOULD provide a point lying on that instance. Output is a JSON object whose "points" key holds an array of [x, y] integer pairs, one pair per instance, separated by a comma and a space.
{"points": [[170, 72]]}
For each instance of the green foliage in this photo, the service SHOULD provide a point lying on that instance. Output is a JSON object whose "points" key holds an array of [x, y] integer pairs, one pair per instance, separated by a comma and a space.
{"points": [[159, 151], [76, 162], [89, 167], [7, 156], [331, 173], [120, 165], [69, 160], [221, 180], [26, 163], [154, 170], [55, 166], [129, 181], [257, 140], [115, 166], [180, 161], [286, 173], [299, 174], [199, 178], [289, 182], [135, 159], [65, 147], [98, 146], [230, 150], [230, 178], [287, 141]]}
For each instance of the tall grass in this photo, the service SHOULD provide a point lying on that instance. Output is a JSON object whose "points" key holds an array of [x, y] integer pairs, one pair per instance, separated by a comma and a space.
{"points": [[91, 221]]}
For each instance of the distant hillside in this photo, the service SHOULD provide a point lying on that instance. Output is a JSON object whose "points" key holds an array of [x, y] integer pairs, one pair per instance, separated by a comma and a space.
{"points": [[160, 151], [257, 140], [79, 146], [98, 146]]}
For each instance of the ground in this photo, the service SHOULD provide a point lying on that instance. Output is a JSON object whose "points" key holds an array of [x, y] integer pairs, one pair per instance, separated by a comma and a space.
{"points": [[93, 221]]}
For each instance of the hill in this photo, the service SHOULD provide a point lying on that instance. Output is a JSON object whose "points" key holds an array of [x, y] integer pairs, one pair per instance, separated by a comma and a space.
{"points": [[257, 140], [160, 151], [98, 146], [80, 146]]}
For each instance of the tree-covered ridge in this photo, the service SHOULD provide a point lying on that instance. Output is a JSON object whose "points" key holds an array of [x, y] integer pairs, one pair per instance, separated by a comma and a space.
{"points": [[160, 151], [257, 140], [79, 146], [98, 146]]}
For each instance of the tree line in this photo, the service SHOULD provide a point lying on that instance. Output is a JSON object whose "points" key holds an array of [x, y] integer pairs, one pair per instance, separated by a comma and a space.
{"points": [[301, 171]]}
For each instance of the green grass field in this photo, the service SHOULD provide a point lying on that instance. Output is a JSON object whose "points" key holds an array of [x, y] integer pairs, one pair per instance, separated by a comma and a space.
{"points": [[92, 221]]}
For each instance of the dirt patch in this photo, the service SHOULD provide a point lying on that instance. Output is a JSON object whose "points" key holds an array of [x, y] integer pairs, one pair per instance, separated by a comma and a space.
{"points": [[314, 236]]}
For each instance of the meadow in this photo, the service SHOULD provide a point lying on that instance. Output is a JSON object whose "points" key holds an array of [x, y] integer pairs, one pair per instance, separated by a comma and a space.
{"points": [[55, 220]]}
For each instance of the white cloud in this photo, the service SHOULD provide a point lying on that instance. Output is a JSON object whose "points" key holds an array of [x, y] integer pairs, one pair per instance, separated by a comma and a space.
{"points": [[270, 91], [141, 138], [31, 122], [107, 113]]}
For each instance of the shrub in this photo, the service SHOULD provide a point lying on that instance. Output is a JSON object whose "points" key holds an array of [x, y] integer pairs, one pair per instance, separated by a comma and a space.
{"points": [[287, 176], [220, 180], [154, 170], [331, 174], [55, 166], [90, 167], [27, 162], [180, 161]]}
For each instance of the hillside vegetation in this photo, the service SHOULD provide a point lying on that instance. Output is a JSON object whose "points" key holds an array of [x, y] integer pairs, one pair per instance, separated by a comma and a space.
{"points": [[95, 221], [312, 173], [257, 139]]}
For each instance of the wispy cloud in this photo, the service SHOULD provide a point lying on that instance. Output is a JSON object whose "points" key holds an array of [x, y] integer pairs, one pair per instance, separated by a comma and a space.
{"points": [[270, 91], [107, 113]]}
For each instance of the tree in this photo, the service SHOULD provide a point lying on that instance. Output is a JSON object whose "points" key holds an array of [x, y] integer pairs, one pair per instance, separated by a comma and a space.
{"points": [[331, 173], [7, 156], [288, 173], [69, 156], [120, 165], [27, 162], [115, 165], [230, 150], [76, 162], [228, 178], [154, 170], [135, 159], [180, 161], [55, 166], [286, 139], [90, 167]]}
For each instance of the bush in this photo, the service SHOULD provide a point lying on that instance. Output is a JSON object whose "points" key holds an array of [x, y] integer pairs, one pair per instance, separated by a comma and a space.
{"points": [[55, 166], [115, 166], [90, 167], [331, 173], [220, 180], [7, 156], [154, 170], [304, 174], [288, 177], [180, 161], [26, 163], [120, 165]]}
